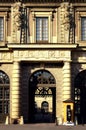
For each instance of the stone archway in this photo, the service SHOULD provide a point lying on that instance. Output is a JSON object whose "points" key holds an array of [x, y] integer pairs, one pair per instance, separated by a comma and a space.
{"points": [[42, 89], [80, 97]]}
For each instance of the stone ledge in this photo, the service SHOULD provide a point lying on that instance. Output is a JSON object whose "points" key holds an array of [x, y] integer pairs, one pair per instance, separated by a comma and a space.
{"points": [[42, 46]]}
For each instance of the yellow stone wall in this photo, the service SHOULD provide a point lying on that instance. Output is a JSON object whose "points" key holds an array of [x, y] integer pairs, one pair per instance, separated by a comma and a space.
{"points": [[20, 60]]}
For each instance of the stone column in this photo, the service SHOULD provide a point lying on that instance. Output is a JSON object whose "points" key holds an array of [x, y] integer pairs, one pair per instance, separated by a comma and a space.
{"points": [[66, 81], [15, 93]]}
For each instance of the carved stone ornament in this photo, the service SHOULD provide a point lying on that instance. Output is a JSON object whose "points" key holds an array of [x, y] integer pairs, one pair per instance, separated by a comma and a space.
{"points": [[17, 20], [17, 15], [41, 55], [7, 56], [68, 16]]}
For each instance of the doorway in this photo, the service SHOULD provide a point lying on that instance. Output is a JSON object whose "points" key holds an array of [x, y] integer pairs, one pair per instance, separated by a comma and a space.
{"points": [[80, 97], [42, 97]]}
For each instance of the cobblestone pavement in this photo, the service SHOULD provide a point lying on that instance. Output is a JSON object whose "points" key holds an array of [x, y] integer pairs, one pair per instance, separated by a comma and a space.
{"points": [[41, 127]]}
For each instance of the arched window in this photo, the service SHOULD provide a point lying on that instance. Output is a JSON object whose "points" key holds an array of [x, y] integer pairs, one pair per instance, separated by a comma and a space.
{"points": [[41, 78], [4, 93]]}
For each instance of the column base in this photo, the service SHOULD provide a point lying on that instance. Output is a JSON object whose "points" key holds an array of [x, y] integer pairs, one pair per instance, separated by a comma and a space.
{"points": [[59, 121], [17, 120], [7, 121]]}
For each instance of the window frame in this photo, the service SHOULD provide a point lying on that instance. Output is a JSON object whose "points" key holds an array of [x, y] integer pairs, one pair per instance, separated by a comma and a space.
{"points": [[42, 14], [41, 28], [4, 16], [82, 36], [80, 13]]}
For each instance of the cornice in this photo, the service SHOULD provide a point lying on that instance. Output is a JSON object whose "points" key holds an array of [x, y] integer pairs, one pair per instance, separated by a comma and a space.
{"points": [[42, 46], [42, 1]]}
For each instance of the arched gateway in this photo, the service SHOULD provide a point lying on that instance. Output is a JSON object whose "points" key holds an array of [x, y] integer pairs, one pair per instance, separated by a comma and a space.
{"points": [[42, 95], [80, 97]]}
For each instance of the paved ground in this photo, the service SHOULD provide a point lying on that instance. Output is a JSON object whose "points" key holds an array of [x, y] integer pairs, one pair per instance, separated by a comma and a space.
{"points": [[41, 127]]}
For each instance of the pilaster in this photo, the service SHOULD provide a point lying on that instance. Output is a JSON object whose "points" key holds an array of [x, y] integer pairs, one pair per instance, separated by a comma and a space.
{"points": [[15, 93], [18, 15], [66, 81], [66, 23]]}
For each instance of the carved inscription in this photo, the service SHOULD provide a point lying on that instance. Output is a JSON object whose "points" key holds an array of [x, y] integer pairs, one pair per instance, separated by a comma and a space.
{"points": [[51, 54], [56, 55], [6, 56], [34, 55]]}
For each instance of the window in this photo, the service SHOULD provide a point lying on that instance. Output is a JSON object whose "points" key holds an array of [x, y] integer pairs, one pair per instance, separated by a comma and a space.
{"points": [[1, 28], [83, 28], [41, 29], [4, 93]]}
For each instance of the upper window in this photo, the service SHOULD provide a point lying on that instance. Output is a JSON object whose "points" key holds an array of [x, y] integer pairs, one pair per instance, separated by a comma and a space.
{"points": [[41, 29], [1, 28], [83, 28]]}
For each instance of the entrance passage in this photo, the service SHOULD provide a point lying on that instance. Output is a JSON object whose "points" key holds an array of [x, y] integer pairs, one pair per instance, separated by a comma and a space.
{"points": [[80, 97], [42, 95]]}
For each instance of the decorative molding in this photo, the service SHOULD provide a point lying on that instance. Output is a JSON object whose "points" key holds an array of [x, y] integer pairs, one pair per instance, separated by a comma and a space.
{"points": [[43, 46], [42, 10], [33, 15]]}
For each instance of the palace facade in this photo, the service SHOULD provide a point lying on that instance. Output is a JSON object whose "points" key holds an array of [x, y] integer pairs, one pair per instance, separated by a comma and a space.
{"points": [[42, 61]]}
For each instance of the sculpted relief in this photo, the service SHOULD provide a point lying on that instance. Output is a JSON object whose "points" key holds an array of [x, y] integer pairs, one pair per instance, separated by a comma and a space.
{"points": [[6, 56], [42, 55], [28, 55], [68, 22], [36, 55], [18, 23], [17, 15]]}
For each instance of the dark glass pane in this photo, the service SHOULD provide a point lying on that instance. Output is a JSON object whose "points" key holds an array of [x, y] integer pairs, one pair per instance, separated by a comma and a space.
{"points": [[1, 28], [42, 29], [1, 107], [83, 28]]}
